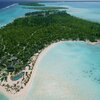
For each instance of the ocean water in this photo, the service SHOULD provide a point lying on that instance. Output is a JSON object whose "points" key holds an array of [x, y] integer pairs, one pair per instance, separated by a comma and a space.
{"points": [[69, 71], [85, 10], [4, 4], [2, 97], [10, 13]]}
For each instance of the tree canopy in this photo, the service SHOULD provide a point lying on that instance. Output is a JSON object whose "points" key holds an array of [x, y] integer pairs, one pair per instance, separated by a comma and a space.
{"points": [[20, 40]]}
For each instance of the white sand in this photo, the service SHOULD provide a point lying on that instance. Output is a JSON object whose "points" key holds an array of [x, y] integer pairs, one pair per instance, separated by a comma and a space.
{"points": [[22, 94]]}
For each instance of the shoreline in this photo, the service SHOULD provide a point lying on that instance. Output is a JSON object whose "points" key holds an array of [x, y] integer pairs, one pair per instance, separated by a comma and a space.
{"points": [[94, 43], [26, 87], [24, 92], [6, 7]]}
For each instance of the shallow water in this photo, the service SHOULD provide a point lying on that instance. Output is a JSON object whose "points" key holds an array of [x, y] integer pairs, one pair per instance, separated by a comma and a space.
{"points": [[85, 10], [10, 13], [2, 97], [69, 71]]}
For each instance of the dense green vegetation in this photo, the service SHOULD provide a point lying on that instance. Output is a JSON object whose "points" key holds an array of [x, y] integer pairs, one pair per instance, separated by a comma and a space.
{"points": [[45, 8], [26, 36], [31, 4]]}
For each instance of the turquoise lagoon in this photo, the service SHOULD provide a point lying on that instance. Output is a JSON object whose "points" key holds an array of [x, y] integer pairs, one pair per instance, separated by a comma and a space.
{"points": [[10, 13], [89, 11], [69, 71], [2, 97], [85, 10]]}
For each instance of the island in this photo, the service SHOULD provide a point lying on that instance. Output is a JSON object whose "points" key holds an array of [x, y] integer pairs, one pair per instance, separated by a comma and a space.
{"points": [[39, 6], [31, 4], [45, 8], [22, 41]]}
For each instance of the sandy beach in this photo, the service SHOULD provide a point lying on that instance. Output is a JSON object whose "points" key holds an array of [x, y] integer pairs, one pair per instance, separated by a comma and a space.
{"points": [[24, 92]]}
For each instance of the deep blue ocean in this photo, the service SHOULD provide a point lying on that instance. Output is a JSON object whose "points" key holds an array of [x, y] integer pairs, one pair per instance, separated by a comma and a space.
{"points": [[70, 70], [5, 4]]}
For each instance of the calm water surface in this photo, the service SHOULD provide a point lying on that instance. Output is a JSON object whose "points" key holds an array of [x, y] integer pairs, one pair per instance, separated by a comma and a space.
{"points": [[71, 70], [85, 10], [10, 13]]}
